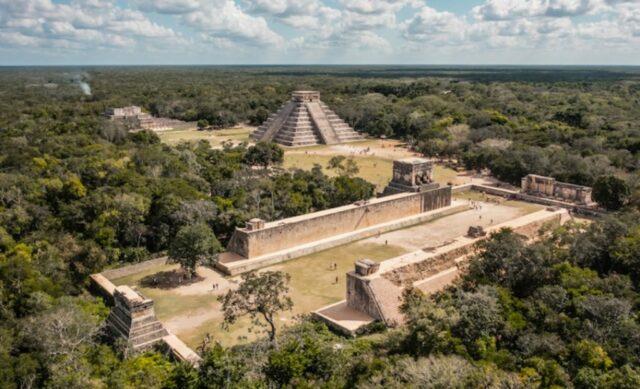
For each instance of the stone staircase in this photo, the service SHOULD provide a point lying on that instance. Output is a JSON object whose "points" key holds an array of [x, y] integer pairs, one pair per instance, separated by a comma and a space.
{"points": [[321, 122], [270, 127], [344, 132], [304, 121], [133, 319], [298, 130]]}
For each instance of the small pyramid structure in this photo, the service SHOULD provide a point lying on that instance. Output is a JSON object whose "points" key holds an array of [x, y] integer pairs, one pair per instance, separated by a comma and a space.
{"points": [[133, 319], [305, 120]]}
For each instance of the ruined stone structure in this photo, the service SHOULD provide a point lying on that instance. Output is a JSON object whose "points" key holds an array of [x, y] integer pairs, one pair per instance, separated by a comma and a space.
{"points": [[376, 289], [548, 187], [140, 120], [411, 175], [259, 238], [133, 319], [305, 120], [131, 111]]}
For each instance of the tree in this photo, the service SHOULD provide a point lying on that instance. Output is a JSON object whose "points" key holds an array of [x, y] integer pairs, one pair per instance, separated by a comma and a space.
{"points": [[610, 192], [343, 166], [264, 154], [260, 295], [202, 124], [192, 245]]}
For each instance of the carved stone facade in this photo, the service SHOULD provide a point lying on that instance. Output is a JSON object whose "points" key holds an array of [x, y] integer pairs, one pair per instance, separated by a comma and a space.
{"points": [[140, 120], [305, 120], [548, 187], [133, 319], [411, 175], [131, 111]]}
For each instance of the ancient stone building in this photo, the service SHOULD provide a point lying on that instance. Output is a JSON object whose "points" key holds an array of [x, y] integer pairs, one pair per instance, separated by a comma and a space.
{"points": [[305, 120], [123, 112], [133, 319], [548, 187], [137, 119], [411, 175]]}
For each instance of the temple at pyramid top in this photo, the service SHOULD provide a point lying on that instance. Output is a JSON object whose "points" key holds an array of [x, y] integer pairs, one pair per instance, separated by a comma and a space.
{"points": [[305, 120]]}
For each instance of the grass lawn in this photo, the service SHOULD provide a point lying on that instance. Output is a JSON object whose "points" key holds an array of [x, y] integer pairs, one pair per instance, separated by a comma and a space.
{"points": [[377, 170], [373, 169], [312, 286], [215, 137]]}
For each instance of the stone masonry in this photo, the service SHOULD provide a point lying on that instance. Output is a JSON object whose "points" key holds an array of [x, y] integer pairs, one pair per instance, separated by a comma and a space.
{"points": [[305, 120], [548, 187], [411, 175], [133, 319]]}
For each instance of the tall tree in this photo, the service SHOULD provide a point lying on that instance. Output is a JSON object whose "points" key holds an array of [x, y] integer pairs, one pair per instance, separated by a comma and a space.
{"points": [[261, 296], [194, 244], [610, 192], [264, 154]]}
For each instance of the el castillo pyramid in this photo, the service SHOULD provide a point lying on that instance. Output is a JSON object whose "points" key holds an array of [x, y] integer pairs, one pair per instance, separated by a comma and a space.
{"points": [[305, 120]]}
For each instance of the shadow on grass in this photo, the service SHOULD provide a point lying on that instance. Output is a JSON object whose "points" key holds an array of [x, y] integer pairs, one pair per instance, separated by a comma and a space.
{"points": [[169, 279]]}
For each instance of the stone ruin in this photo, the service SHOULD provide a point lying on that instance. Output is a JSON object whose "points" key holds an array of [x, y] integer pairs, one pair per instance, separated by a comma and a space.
{"points": [[476, 232], [133, 319], [140, 120], [305, 120], [411, 175], [548, 187]]}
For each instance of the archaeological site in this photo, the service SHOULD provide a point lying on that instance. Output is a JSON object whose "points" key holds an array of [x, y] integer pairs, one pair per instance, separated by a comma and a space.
{"points": [[305, 120]]}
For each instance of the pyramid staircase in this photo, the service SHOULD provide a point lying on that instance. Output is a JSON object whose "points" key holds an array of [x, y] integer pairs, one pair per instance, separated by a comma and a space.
{"points": [[133, 318], [304, 121]]}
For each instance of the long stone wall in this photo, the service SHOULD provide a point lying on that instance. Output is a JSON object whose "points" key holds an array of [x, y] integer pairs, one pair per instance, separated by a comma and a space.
{"points": [[295, 231], [378, 294]]}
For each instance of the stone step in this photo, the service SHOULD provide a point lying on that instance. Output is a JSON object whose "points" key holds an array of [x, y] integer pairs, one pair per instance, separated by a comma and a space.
{"points": [[152, 336]]}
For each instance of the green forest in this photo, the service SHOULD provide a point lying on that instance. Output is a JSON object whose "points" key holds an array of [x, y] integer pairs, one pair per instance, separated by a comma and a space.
{"points": [[79, 194]]}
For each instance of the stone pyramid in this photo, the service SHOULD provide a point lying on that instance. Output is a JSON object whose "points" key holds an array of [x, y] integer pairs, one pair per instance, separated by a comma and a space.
{"points": [[305, 120], [133, 319]]}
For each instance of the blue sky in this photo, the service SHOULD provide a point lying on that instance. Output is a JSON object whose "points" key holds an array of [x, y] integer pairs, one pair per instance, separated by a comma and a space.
{"points": [[67, 32]]}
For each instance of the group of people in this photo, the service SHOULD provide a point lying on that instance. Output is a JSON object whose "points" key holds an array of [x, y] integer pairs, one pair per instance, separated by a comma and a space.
{"points": [[216, 286], [477, 205]]}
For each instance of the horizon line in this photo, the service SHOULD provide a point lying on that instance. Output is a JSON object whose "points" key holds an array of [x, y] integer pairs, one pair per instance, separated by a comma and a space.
{"points": [[325, 64]]}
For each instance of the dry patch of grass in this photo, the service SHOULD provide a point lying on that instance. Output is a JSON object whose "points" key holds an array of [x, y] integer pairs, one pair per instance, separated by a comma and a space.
{"points": [[479, 196], [377, 170], [373, 169], [215, 137], [312, 286]]}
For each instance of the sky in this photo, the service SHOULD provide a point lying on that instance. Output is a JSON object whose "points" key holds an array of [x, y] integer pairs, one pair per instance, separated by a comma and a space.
{"points": [[140, 32]]}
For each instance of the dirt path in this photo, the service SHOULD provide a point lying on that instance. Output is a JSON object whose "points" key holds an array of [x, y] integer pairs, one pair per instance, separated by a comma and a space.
{"points": [[192, 321], [387, 149], [439, 231], [205, 286]]}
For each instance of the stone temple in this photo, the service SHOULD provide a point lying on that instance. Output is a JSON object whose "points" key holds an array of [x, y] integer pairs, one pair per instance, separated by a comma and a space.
{"points": [[133, 319], [411, 175], [305, 120]]}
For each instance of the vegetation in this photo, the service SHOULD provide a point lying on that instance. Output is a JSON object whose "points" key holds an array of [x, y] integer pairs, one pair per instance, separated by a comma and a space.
{"points": [[79, 194], [261, 296], [193, 245]]}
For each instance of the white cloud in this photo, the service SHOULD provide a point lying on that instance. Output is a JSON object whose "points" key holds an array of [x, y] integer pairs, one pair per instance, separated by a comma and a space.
{"points": [[430, 24], [225, 20], [78, 25]]}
